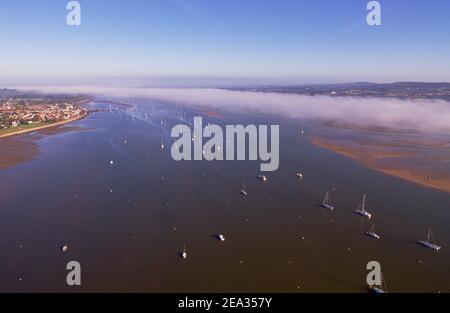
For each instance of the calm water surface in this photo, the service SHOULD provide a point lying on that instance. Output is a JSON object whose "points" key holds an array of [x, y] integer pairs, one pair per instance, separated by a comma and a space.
{"points": [[126, 224]]}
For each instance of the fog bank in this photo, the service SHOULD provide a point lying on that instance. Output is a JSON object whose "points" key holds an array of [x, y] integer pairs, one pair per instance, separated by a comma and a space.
{"points": [[425, 115]]}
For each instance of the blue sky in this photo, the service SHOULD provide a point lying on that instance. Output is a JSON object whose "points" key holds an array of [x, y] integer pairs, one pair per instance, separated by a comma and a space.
{"points": [[253, 40]]}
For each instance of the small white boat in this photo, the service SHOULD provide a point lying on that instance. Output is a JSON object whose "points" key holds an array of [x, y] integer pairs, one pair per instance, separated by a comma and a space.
{"points": [[325, 202], [379, 289], [184, 254], [299, 175], [428, 243], [263, 178], [372, 233], [374, 289], [64, 248], [243, 191], [162, 144], [221, 237], [362, 209]]}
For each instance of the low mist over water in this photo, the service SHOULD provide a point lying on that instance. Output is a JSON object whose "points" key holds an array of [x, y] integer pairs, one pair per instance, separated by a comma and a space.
{"points": [[423, 115]]}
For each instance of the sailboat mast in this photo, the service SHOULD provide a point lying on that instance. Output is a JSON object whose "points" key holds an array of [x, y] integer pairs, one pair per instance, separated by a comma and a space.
{"points": [[325, 200]]}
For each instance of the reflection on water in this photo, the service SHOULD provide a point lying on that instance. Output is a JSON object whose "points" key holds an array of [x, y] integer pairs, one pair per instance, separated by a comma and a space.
{"points": [[127, 222]]}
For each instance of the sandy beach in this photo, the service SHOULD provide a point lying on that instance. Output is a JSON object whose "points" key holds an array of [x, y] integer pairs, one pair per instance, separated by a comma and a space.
{"points": [[399, 160]]}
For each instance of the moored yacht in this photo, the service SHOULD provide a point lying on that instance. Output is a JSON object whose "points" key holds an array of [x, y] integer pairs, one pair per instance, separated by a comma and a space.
{"points": [[184, 254], [428, 242], [372, 233], [263, 178], [243, 191], [362, 209], [379, 289], [375, 289], [326, 204], [221, 237]]}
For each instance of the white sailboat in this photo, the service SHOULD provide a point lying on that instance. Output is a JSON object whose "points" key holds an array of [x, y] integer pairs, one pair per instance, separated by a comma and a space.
{"points": [[325, 202], [221, 237], [162, 144], [372, 233], [184, 254], [299, 175], [379, 289], [263, 178], [362, 209], [243, 191], [428, 243]]}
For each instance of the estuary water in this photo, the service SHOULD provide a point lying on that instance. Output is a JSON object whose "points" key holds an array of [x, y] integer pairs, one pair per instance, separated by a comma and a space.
{"points": [[126, 222]]}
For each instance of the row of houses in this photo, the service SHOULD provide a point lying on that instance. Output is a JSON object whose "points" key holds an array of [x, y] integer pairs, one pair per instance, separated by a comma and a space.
{"points": [[14, 115]]}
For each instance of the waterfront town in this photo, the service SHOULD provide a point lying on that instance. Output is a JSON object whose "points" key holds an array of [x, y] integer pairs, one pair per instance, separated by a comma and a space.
{"points": [[19, 109]]}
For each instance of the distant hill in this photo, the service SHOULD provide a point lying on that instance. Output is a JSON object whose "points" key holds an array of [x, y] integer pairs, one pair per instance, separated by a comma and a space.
{"points": [[402, 90]]}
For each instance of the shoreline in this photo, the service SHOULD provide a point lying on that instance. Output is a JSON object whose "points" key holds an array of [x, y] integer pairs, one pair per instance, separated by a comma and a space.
{"points": [[421, 176], [33, 129]]}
